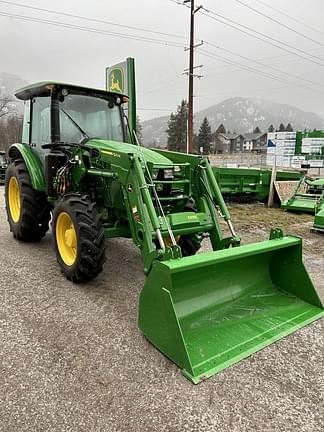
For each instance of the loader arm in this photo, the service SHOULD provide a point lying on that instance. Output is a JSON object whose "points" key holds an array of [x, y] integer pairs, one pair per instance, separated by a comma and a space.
{"points": [[150, 222], [154, 218]]}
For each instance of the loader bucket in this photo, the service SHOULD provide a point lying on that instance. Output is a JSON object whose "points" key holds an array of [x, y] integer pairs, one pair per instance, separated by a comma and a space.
{"points": [[305, 204], [208, 311]]}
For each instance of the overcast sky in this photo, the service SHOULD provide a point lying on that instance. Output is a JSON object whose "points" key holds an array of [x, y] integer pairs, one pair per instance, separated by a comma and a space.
{"points": [[38, 51]]}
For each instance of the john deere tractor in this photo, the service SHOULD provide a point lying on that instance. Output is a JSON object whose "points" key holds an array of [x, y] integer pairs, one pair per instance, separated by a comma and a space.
{"points": [[79, 162]]}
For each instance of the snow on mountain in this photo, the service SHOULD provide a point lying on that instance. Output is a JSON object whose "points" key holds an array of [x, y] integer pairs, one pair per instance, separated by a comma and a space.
{"points": [[239, 114]]}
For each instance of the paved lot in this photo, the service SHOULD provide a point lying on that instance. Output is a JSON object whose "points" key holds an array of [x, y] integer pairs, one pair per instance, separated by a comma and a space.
{"points": [[72, 358]]}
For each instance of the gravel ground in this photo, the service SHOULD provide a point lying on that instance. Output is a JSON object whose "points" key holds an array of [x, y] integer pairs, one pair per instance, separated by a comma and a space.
{"points": [[72, 358]]}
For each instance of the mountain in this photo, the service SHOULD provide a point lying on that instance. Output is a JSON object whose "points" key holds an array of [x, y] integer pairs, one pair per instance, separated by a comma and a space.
{"points": [[239, 114], [9, 83]]}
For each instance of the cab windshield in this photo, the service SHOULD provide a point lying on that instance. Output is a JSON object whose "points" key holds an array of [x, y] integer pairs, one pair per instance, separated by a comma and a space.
{"points": [[89, 117]]}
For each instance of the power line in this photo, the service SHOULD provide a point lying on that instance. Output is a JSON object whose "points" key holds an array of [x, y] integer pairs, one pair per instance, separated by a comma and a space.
{"points": [[255, 71], [242, 67], [237, 26], [93, 30], [268, 66], [142, 39], [95, 20], [113, 23], [278, 22], [258, 35], [178, 2], [239, 66], [163, 84], [290, 17]]}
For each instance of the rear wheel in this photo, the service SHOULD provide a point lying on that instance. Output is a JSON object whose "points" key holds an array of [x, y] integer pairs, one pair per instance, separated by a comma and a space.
{"points": [[28, 210], [79, 238]]}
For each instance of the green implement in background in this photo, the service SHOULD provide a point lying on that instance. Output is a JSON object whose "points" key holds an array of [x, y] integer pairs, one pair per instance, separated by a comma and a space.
{"points": [[319, 221], [306, 197], [248, 184], [319, 211]]}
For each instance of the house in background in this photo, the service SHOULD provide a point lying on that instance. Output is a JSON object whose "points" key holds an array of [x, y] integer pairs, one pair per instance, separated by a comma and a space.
{"points": [[228, 143], [255, 142]]}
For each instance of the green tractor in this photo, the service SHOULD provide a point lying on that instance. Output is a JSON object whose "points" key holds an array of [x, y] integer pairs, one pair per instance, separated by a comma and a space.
{"points": [[79, 162], [3, 166]]}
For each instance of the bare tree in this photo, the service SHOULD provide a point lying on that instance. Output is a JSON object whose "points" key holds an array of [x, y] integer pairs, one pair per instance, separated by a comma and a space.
{"points": [[10, 130], [6, 106]]}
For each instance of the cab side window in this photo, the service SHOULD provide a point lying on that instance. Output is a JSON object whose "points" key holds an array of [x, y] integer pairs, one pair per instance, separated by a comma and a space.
{"points": [[41, 124], [26, 124]]}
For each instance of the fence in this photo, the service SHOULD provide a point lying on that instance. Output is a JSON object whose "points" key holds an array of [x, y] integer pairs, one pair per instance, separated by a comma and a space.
{"points": [[252, 160]]}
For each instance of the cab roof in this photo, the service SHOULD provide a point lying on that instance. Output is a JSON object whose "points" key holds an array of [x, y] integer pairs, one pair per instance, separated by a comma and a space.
{"points": [[43, 88]]}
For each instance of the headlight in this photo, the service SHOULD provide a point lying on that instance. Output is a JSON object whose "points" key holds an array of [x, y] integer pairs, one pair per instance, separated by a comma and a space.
{"points": [[168, 174], [176, 168]]}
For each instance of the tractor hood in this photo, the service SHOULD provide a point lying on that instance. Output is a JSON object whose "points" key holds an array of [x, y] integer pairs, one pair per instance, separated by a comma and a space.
{"points": [[126, 148]]}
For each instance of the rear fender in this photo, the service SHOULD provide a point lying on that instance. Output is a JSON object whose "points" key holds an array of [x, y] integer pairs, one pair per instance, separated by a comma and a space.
{"points": [[32, 162]]}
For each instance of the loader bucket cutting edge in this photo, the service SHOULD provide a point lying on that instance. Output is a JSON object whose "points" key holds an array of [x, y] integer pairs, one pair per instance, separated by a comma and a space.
{"points": [[208, 311]]}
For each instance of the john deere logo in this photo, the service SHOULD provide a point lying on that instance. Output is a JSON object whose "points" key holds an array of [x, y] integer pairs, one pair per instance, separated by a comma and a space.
{"points": [[116, 80]]}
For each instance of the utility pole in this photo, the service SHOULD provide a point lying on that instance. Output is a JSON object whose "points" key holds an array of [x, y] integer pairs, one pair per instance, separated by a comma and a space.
{"points": [[191, 64], [191, 73]]}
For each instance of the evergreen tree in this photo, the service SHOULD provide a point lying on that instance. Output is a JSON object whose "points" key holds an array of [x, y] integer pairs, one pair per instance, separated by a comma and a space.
{"points": [[257, 130], [205, 136], [139, 130], [220, 129], [177, 129], [271, 128], [281, 128], [289, 128]]}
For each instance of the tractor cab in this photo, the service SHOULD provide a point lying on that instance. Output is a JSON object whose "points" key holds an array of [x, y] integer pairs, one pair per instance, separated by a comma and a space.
{"points": [[63, 114], [59, 117]]}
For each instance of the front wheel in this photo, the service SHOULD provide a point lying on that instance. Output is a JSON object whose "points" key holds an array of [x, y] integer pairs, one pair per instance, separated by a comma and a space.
{"points": [[79, 239]]}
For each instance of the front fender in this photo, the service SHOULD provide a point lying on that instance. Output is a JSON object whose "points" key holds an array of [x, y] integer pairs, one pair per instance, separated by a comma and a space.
{"points": [[32, 162]]}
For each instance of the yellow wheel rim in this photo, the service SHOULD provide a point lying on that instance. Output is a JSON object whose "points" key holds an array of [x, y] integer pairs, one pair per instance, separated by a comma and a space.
{"points": [[14, 199], [66, 238]]}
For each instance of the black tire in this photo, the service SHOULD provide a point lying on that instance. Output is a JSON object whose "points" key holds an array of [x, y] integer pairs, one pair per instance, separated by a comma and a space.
{"points": [[189, 245], [34, 214], [89, 236]]}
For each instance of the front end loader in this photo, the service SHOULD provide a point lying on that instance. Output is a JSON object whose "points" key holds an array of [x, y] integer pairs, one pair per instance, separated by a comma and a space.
{"points": [[204, 311]]}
